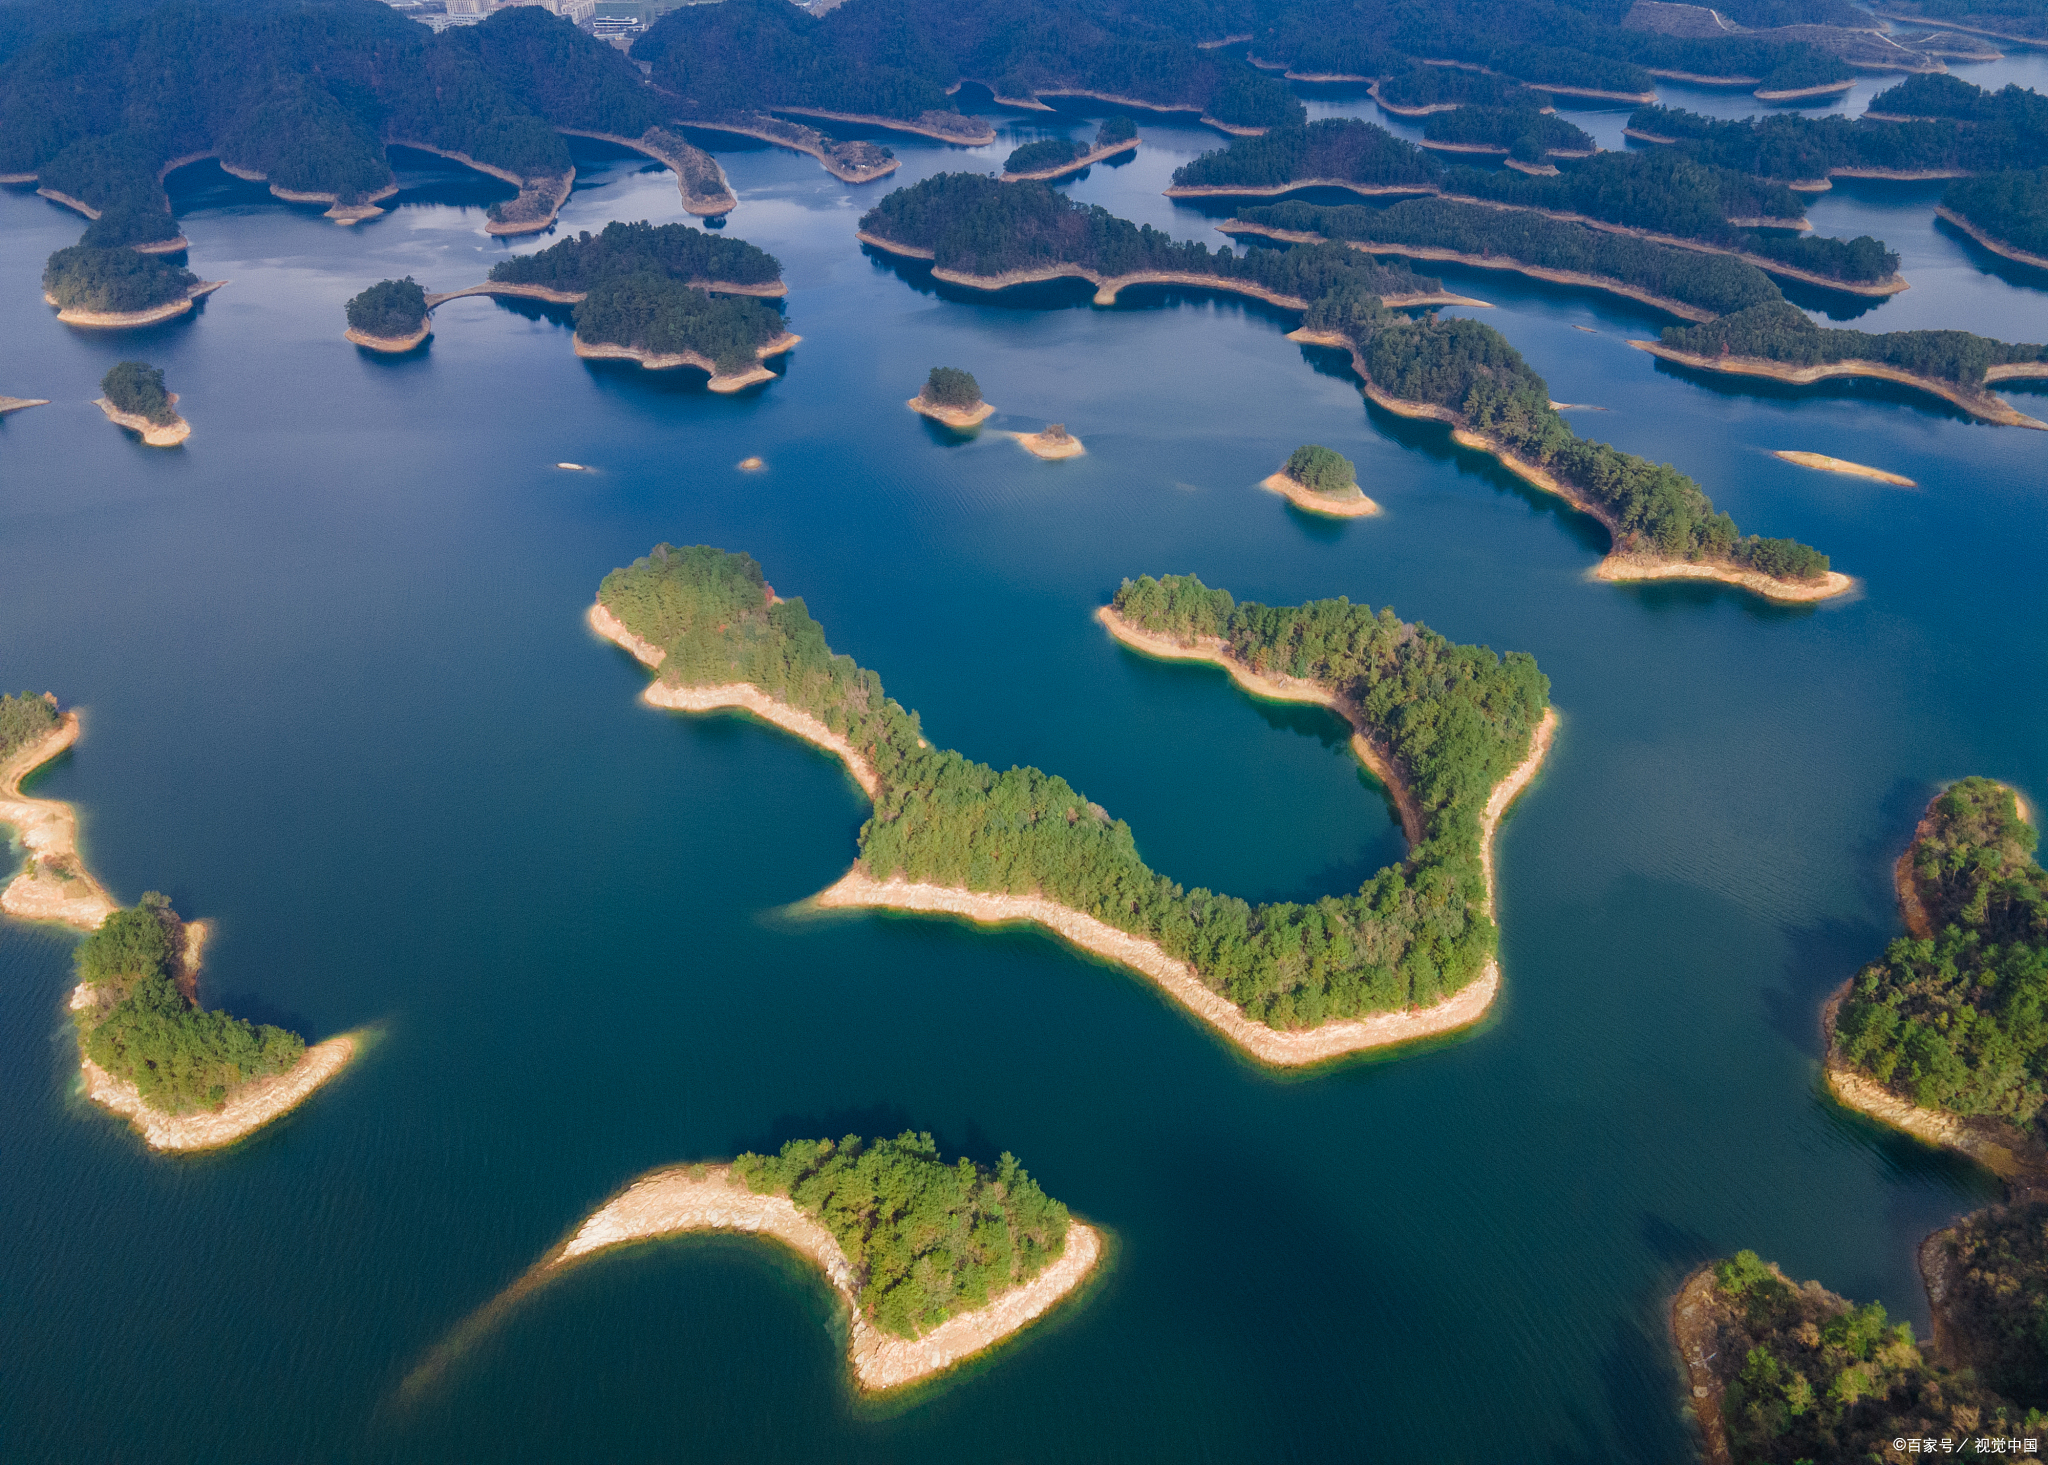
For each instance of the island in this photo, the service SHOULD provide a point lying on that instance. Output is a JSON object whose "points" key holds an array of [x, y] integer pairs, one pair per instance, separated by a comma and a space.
{"points": [[1823, 463], [565, 271], [119, 289], [953, 397], [1410, 955], [1059, 157], [1684, 282], [1318, 480], [390, 316], [2007, 213], [1779, 1372], [1779, 341], [135, 398], [1422, 91], [1525, 135], [987, 235], [1051, 442], [1333, 152], [936, 1262], [187, 1078], [1467, 376]]}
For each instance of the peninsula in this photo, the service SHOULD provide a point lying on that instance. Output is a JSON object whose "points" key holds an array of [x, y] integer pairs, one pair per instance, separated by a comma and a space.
{"points": [[1467, 376], [850, 162], [1059, 157], [1317, 480], [1779, 341], [2007, 213], [135, 398], [971, 1258], [188, 1079], [953, 397], [1408, 956]]}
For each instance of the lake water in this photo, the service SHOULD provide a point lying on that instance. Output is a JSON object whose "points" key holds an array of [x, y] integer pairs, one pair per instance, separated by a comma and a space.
{"points": [[340, 700]]}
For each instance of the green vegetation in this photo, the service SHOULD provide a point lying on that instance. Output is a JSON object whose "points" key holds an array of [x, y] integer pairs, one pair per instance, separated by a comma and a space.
{"points": [[948, 386], [1470, 370], [1321, 469], [1959, 1020], [2010, 207], [977, 226], [25, 718], [1440, 86], [126, 224], [650, 312], [1780, 331], [671, 251], [145, 1029], [390, 308], [1527, 134], [1115, 130], [926, 1239], [1808, 1377], [1047, 152], [114, 280], [1455, 719], [1997, 1298], [1342, 149], [137, 388], [1712, 282]]}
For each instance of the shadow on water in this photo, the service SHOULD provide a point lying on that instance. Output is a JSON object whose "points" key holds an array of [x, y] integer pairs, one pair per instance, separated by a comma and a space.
{"points": [[1836, 305], [1989, 262]]}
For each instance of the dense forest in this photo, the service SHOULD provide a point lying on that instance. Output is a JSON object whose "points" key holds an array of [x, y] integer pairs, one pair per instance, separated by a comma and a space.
{"points": [[1471, 370], [80, 277], [25, 717], [978, 226], [1959, 1020], [1950, 125], [672, 251], [1453, 86], [1714, 282], [389, 308], [948, 386], [926, 1239], [1780, 331], [1342, 149], [1998, 1297], [2010, 207], [1321, 470], [137, 388], [1055, 152], [1528, 135], [651, 312], [1455, 718], [1809, 1377], [145, 1029]]}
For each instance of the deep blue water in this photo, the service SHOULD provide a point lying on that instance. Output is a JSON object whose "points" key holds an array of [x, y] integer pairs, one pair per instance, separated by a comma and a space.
{"points": [[340, 700]]}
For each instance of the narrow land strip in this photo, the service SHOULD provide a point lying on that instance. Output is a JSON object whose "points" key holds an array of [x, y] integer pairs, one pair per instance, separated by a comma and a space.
{"points": [[1984, 405]]}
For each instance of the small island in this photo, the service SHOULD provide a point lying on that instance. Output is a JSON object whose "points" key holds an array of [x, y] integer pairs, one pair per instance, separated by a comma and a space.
{"points": [[117, 289], [1410, 955], [1318, 480], [1821, 462], [1053, 442], [188, 1078], [1333, 152], [953, 397], [136, 399], [1060, 157], [936, 1262], [1779, 341], [390, 316]]}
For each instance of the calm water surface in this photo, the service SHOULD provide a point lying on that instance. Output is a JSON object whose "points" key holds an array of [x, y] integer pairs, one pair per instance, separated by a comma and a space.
{"points": [[340, 700]]}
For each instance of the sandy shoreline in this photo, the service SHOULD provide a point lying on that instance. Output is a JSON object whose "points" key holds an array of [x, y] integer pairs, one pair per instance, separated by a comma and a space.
{"points": [[154, 434], [1086, 160], [740, 696], [1996, 246], [1825, 464], [808, 140], [668, 150], [47, 830], [1044, 445], [248, 1109], [960, 419], [977, 134], [116, 320], [390, 345], [1614, 567], [1692, 1333], [679, 1199], [18, 404], [669, 361], [1310, 502], [1984, 405]]}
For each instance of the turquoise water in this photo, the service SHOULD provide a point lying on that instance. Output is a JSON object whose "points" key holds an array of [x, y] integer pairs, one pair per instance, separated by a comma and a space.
{"points": [[339, 699]]}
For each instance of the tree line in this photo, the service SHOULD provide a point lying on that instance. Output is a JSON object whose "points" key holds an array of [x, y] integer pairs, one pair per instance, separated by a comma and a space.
{"points": [[1343, 149], [25, 718], [2010, 207], [1780, 331], [1526, 133], [673, 251], [926, 1239]]}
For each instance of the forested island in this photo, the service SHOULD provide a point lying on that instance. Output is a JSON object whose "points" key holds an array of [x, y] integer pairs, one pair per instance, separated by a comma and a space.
{"points": [[390, 316], [133, 395], [1419, 91], [1924, 127], [1780, 341], [979, 232], [936, 1261], [1333, 152], [1785, 1373], [952, 396], [1689, 284], [1320, 480], [1412, 937], [1056, 157], [119, 288], [2007, 213], [1524, 135], [688, 256]]}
